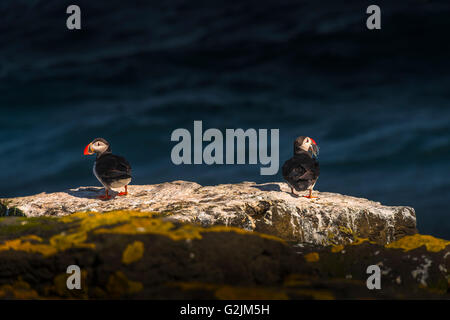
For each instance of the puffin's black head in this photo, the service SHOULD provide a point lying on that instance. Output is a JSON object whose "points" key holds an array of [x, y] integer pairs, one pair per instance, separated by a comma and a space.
{"points": [[98, 146], [308, 144]]}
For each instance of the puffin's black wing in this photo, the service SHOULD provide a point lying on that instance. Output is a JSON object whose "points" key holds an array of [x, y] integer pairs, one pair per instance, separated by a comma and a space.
{"points": [[111, 168], [301, 171]]}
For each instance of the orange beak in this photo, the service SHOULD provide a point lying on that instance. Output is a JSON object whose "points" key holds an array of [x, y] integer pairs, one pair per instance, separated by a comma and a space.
{"points": [[313, 141], [87, 150]]}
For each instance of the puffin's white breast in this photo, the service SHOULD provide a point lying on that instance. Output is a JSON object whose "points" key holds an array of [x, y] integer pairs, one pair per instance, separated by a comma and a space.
{"points": [[96, 175]]}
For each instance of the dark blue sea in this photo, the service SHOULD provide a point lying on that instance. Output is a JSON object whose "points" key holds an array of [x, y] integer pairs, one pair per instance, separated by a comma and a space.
{"points": [[376, 102]]}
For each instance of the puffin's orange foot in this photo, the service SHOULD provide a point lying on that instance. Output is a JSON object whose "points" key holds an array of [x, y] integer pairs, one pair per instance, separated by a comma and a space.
{"points": [[124, 193], [310, 197], [106, 196]]}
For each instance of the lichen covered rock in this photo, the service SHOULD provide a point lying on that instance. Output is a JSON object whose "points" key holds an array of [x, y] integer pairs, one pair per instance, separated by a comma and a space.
{"points": [[266, 208], [142, 255]]}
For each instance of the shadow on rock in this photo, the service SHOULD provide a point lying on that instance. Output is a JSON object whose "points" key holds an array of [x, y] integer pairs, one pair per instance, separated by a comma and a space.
{"points": [[89, 192], [267, 187]]}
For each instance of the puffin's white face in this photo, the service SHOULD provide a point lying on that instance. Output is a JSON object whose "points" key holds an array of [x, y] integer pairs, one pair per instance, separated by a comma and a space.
{"points": [[96, 146], [99, 147], [311, 146], [306, 144]]}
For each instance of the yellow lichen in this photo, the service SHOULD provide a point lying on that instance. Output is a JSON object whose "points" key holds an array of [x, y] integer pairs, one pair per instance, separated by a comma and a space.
{"points": [[24, 244], [346, 230], [312, 257], [337, 248], [32, 237], [119, 222], [154, 226], [359, 241], [65, 241], [92, 220], [134, 252], [415, 241], [241, 231], [84, 222], [168, 229]]}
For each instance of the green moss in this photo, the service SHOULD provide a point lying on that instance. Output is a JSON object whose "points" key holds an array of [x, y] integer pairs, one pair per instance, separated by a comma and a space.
{"points": [[9, 211], [440, 286], [15, 226]]}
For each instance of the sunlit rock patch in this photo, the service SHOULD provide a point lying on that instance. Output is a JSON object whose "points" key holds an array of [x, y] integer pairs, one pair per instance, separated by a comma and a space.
{"points": [[269, 208]]}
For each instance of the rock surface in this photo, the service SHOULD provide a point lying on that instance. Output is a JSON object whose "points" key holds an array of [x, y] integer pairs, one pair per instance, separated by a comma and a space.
{"points": [[266, 208], [138, 255]]}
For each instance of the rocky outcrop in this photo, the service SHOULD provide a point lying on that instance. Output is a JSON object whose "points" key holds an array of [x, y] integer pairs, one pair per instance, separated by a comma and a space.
{"points": [[141, 255], [330, 219]]}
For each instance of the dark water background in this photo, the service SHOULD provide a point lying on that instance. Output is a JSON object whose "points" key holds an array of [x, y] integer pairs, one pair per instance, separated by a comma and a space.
{"points": [[378, 103]]}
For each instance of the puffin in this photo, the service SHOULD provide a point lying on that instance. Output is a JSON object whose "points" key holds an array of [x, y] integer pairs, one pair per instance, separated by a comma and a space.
{"points": [[111, 170], [302, 170]]}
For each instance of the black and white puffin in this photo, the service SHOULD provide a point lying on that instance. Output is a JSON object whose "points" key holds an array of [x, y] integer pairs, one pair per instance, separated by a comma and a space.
{"points": [[302, 170], [112, 171]]}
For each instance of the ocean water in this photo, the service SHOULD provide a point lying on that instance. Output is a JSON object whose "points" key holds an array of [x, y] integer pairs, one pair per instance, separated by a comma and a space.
{"points": [[377, 103]]}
